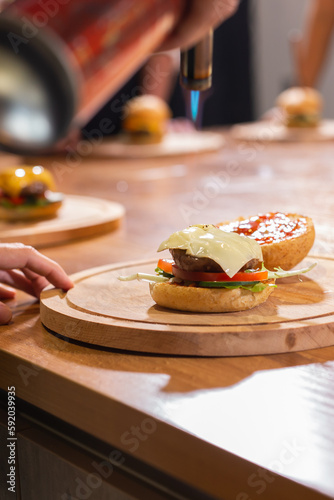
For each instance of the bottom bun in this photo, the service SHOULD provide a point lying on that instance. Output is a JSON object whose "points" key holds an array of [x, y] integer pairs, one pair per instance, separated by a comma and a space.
{"points": [[138, 138], [302, 121], [207, 300], [30, 212]]}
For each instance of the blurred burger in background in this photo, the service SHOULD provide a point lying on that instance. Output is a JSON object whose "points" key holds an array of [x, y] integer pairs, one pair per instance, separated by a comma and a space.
{"points": [[301, 107], [28, 192], [145, 119]]}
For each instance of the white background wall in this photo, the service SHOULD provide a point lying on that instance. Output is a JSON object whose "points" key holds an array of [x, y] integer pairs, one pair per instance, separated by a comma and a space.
{"points": [[272, 22]]}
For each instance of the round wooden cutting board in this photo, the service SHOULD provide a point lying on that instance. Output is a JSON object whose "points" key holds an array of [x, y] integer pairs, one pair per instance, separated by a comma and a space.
{"points": [[171, 145], [104, 311], [79, 217], [268, 131]]}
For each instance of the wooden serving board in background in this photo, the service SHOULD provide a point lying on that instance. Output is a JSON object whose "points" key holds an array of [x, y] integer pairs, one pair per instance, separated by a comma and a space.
{"points": [[79, 217], [270, 131], [172, 144], [103, 311]]}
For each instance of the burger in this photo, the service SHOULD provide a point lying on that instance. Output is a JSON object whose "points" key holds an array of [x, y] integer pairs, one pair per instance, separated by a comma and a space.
{"points": [[301, 107], [211, 271], [145, 118], [28, 192]]}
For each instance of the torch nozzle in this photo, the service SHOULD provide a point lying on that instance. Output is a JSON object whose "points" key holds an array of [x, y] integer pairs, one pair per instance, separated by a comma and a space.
{"points": [[196, 65]]}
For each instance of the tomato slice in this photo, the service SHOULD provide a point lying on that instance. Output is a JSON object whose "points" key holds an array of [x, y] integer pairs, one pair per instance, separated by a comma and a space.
{"points": [[170, 267], [18, 200], [202, 276], [166, 265]]}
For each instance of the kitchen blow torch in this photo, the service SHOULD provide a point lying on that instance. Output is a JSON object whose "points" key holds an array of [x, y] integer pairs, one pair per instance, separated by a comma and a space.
{"points": [[196, 74]]}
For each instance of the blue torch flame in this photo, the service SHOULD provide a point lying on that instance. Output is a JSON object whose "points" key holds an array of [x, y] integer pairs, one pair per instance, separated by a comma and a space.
{"points": [[194, 104]]}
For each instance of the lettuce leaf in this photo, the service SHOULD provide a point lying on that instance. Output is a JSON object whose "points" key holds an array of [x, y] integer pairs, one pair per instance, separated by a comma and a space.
{"points": [[150, 278], [160, 272], [280, 273]]}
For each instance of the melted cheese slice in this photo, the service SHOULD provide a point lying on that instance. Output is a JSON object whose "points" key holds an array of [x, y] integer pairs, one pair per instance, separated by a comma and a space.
{"points": [[230, 250], [14, 179]]}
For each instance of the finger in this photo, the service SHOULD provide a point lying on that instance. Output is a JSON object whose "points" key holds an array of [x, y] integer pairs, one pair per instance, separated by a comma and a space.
{"points": [[25, 280], [31, 275], [6, 292], [16, 255], [37, 282], [203, 16], [5, 314], [17, 279]]}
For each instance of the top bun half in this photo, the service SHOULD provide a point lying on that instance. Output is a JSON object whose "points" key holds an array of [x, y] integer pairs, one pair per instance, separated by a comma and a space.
{"points": [[146, 107], [300, 100]]}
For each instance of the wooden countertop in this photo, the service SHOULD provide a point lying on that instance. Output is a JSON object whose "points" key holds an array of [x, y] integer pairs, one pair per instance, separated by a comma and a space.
{"points": [[215, 423]]}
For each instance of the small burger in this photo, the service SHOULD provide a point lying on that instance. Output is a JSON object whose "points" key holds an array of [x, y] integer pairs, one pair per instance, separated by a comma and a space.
{"points": [[211, 271], [301, 107], [28, 192], [145, 118]]}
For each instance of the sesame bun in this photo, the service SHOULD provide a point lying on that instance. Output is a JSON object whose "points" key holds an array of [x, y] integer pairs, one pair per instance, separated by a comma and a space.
{"points": [[207, 300], [283, 250], [301, 106], [145, 119]]}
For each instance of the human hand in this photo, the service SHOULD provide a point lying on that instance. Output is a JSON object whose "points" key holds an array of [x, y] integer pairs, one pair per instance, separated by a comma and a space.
{"points": [[24, 268], [199, 17]]}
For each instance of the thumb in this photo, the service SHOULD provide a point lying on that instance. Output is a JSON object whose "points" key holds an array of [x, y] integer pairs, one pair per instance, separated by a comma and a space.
{"points": [[5, 314]]}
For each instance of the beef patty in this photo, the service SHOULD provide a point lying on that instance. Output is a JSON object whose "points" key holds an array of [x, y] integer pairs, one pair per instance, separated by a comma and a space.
{"points": [[203, 264]]}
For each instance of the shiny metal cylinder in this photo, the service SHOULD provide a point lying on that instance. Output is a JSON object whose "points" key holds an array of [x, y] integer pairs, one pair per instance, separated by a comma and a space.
{"points": [[196, 65]]}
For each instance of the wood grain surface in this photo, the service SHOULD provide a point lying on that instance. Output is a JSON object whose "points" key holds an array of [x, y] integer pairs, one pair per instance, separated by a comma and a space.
{"points": [[79, 217], [236, 427], [103, 311]]}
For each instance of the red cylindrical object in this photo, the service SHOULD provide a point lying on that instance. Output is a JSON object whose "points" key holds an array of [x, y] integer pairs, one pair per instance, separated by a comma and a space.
{"points": [[76, 54]]}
